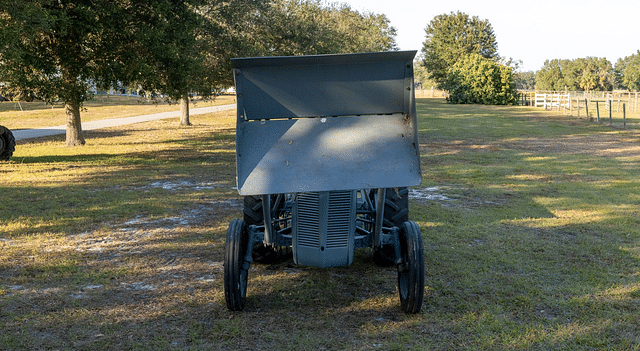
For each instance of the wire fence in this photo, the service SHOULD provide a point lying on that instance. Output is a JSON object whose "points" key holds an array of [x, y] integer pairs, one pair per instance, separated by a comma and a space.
{"points": [[619, 109]]}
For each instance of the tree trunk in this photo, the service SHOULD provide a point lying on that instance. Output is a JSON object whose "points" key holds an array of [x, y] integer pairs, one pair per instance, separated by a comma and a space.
{"points": [[74, 125], [184, 111]]}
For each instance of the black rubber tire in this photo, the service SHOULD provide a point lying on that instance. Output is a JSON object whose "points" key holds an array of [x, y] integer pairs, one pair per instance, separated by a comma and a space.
{"points": [[7, 144], [411, 271], [253, 214], [396, 207], [396, 212], [236, 272]]}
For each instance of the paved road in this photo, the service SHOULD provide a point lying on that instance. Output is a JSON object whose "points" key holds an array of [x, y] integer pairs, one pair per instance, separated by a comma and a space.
{"points": [[40, 132]]}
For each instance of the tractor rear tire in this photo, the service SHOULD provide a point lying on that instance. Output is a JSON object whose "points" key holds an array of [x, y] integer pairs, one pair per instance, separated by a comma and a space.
{"points": [[411, 269], [253, 210], [396, 207], [7, 144], [253, 215], [396, 212], [236, 270]]}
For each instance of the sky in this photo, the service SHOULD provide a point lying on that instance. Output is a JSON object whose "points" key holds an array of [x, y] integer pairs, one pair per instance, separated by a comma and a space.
{"points": [[529, 31]]}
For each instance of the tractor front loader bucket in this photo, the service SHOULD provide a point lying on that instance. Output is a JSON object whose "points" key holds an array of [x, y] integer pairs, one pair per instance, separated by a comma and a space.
{"points": [[330, 122]]}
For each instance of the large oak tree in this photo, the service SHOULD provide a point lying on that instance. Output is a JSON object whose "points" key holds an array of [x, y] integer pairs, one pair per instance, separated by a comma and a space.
{"points": [[188, 45], [58, 49], [452, 37]]}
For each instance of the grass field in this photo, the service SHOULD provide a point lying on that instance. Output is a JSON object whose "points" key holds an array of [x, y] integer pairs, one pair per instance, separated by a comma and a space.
{"points": [[530, 222]]}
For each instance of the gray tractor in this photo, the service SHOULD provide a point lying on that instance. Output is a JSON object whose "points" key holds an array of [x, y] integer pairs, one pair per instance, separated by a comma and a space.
{"points": [[326, 147]]}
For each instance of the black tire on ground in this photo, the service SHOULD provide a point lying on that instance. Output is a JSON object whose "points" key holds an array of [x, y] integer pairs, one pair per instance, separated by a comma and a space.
{"points": [[396, 212], [7, 144], [235, 271], [411, 271]]}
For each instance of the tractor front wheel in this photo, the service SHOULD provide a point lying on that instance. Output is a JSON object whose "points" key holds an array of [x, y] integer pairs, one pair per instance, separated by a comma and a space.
{"points": [[411, 268], [236, 269]]}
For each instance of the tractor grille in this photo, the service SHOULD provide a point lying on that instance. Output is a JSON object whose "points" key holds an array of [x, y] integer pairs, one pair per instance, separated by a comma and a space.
{"points": [[324, 226], [339, 219], [308, 217]]}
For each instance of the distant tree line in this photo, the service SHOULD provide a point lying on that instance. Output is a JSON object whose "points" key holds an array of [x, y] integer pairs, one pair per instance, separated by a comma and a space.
{"points": [[58, 50], [459, 55], [627, 72], [525, 80], [584, 74]]}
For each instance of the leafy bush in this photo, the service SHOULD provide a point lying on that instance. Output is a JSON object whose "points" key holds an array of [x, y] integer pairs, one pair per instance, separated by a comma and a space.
{"points": [[478, 80]]}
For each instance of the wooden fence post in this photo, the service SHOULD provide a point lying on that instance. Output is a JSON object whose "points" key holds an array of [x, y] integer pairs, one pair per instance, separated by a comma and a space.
{"points": [[586, 107], [618, 106], [569, 101], [610, 118]]}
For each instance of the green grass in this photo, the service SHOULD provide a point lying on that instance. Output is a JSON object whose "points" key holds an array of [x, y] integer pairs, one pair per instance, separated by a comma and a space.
{"points": [[118, 244]]}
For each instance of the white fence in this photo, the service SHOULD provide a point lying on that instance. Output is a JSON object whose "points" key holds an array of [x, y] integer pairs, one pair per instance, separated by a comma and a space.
{"points": [[571, 100], [615, 107], [554, 101]]}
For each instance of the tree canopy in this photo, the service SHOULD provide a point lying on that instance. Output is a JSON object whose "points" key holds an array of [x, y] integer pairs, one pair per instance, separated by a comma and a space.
{"points": [[550, 76], [58, 50], [460, 54], [628, 72], [452, 37], [421, 75], [299, 27], [525, 80], [583, 74], [184, 46]]}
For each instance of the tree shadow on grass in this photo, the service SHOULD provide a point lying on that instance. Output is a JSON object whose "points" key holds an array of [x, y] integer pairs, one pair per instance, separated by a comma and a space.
{"points": [[162, 287], [165, 287]]}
